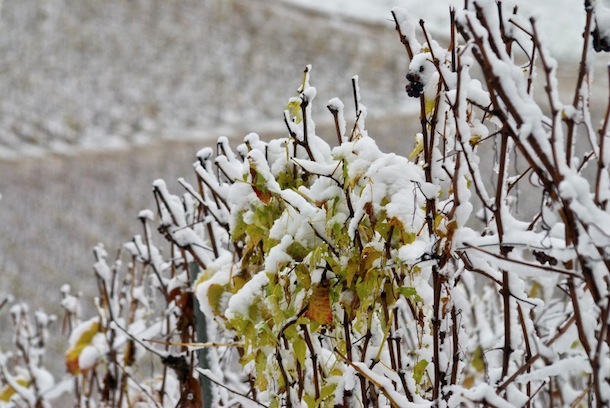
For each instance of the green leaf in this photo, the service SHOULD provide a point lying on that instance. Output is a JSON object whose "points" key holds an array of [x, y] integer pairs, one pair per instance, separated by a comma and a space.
{"points": [[410, 292], [408, 237], [478, 363], [419, 370], [350, 271], [215, 292], [287, 180], [256, 233], [297, 251], [300, 349], [303, 275], [316, 257], [345, 173], [265, 333], [310, 401], [239, 230], [407, 291], [367, 289], [261, 369], [326, 392], [294, 110]]}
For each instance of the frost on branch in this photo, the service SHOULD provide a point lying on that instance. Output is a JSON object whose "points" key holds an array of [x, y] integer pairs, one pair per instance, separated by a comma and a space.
{"points": [[24, 379]]}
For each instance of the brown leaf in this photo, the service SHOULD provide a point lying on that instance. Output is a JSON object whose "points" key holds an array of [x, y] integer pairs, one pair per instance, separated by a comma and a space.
{"points": [[319, 309]]}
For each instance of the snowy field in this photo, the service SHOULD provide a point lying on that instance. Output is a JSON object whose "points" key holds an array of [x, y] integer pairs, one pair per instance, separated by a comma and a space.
{"points": [[113, 87], [229, 76], [560, 20], [84, 74], [80, 74]]}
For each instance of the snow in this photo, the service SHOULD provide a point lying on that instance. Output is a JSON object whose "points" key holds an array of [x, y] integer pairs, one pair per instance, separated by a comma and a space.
{"points": [[561, 367], [482, 392], [309, 94], [90, 354], [602, 18], [335, 105], [560, 20], [412, 253], [240, 302], [406, 23], [278, 256], [146, 214]]}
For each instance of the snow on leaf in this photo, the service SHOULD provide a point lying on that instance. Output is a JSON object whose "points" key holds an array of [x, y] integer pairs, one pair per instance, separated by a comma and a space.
{"points": [[80, 342], [7, 392]]}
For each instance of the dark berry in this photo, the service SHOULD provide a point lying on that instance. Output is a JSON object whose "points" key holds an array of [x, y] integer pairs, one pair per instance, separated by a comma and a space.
{"points": [[600, 43], [414, 89]]}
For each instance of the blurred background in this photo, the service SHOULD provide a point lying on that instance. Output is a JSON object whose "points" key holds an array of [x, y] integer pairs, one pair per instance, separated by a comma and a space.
{"points": [[101, 98]]}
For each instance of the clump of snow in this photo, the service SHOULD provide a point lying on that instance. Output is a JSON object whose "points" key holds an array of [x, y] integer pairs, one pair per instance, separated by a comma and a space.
{"points": [[240, 303], [146, 214], [335, 105]]}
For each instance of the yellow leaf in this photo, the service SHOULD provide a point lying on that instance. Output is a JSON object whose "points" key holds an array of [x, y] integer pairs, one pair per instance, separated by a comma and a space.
{"points": [[7, 391], [350, 271], [261, 367], [474, 140], [419, 147], [129, 355], [536, 290], [294, 110], [204, 276], [419, 370], [437, 220], [468, 382], [368, 256], [84, 336], [430, 104], [215, 293]]}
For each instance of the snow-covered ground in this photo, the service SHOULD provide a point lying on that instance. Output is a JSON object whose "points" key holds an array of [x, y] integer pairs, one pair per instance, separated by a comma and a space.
{"points": [[89, 74], [559, 20]]}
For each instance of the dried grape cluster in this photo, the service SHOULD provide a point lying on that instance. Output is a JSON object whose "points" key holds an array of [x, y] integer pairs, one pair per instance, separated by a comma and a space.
{"points": [[415, 87]]}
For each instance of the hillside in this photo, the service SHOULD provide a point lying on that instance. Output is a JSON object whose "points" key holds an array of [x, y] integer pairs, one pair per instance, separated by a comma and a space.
{"points": [[88, 79], [113, 87], [83, 73]]}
